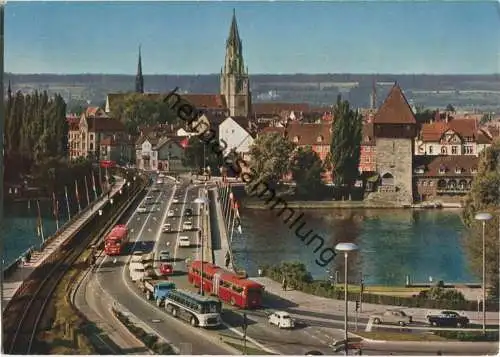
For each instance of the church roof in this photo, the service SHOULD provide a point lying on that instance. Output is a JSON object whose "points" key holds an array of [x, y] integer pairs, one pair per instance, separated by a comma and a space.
{"points": [[395, 109]]}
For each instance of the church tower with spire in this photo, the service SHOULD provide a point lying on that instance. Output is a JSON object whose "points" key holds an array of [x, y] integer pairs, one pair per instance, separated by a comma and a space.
{"points": [[234, 82], [139, 79]]}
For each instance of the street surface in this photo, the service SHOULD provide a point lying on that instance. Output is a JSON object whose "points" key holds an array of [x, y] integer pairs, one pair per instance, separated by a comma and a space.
{"points": [[315, 329]]}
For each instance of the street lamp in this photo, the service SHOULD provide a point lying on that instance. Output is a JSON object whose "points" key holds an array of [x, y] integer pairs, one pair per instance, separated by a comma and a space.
{"points": [[346, 248], [202, 201], [483, 217]]}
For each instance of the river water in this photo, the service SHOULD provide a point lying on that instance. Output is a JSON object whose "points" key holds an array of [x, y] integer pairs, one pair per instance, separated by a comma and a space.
{"points": [[392, 244]]}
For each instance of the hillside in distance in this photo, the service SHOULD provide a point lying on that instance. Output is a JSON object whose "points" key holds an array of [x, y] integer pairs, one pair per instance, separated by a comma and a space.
{"points": [[468, 92]]}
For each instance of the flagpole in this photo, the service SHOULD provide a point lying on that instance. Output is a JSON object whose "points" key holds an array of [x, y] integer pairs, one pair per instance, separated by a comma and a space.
{"points": [[230, 201], [67, 201], [228, 224], [40, 221], [93, 184], [55, 207], [224, 198], [87, 190], [77, 196], [232, 226]]}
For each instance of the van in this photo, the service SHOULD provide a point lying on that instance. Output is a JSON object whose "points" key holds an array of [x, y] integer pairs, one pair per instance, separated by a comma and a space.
{"points": [[137, 271], [184, 241]]}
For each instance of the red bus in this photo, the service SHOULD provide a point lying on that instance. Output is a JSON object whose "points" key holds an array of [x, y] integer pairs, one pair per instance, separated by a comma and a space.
{"points": [[227, 286], [116, 240]]}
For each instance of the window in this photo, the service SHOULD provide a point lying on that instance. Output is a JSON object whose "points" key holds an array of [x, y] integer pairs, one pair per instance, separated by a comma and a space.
{"points": [[444, 151], [454, 150], [458, 170], [473, 170], [468, 149], [91, 136], [442, 169], [430, 149], [295, 139], [91, 146], [319, 139]]}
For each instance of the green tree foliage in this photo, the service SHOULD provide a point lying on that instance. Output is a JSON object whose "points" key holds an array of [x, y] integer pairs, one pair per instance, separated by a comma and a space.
{"points": [[450, 108], [306, 170], [135, 110], [270, 158], [423, 116], [35, 130], [484, 196], [195, 153], [346, 143]]}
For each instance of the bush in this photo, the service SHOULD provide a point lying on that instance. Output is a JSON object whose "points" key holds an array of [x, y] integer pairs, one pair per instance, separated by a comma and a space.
{"points": [[164, 349], [469, 335], [434, 298], [149, 340]]}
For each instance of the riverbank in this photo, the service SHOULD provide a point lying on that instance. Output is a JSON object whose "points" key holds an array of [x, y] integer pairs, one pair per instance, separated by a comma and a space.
{"points": [[260, 204]]}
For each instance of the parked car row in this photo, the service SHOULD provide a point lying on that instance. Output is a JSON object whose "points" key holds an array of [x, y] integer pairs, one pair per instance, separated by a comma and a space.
{"points": [[399, 317]]}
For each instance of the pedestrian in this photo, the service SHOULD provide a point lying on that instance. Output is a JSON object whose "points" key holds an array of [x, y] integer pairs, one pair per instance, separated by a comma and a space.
{"points": [[284, 284]]}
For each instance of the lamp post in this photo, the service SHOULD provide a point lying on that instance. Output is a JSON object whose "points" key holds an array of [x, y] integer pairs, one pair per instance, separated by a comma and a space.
{"points": [[202, 201], [346, 248], [483, 217]]}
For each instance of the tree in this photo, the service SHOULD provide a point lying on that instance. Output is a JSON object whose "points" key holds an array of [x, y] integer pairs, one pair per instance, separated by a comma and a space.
{"points": [[306, 168], [484, 196], [197, 154], [450, 108], [270, 158], [423, 116], [135, 110], [346, 143]]}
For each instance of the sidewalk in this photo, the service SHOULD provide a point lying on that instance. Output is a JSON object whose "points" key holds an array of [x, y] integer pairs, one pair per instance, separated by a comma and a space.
{"points": [[317, 304], [220, 254], [15, 280]]}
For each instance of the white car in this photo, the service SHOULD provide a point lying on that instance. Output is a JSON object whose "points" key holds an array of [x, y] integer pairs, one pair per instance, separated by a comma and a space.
{"points": [[159, 182], [137, 271], [281, 319], [184, 241], [187, 226], [142, 210], [166, 228], [175, 200], [170, 213], [136, 256]]}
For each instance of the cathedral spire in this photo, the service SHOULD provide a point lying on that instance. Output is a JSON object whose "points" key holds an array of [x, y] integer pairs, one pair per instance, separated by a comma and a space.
{"points": [[234, 36], [139, 79]]}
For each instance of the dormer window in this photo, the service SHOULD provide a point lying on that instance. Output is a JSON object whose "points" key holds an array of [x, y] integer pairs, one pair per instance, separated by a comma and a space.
{"points": [[295, 139], [319, 139], [473, 170], [442, 169], [458, 170]]}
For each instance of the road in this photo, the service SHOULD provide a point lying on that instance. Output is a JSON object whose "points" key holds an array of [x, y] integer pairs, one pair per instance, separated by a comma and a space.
{"points": [[112, 276], [314, 331]]}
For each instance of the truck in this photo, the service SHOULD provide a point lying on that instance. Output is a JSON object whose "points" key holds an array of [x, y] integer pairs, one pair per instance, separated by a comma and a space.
{"points": [[157, 289]]}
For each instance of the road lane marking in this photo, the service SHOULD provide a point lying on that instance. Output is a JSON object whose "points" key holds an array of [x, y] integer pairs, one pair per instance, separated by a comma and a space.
{"points": [[156, 249], [180, 224], [369, 325]]}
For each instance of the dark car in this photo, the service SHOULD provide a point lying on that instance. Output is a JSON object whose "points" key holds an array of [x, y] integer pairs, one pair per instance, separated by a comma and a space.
{"points": [[448, 318], [188, 212]]}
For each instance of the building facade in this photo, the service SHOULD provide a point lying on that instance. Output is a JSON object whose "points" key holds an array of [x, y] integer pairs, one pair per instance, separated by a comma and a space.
{"points": [[394, 128], [164, 153], [235, 133]]}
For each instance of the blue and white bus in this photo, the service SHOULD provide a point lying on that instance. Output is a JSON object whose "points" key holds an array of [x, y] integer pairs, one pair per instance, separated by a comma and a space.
{"points": [[203, 311]]}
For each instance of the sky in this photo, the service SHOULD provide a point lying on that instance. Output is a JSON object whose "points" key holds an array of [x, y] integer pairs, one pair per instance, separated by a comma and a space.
{"points": [[433, 37]]}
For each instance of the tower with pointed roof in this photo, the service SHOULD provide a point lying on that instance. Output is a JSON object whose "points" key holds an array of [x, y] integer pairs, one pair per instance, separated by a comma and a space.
{"points": [[139, 79], [234, 81], [394, 127]]}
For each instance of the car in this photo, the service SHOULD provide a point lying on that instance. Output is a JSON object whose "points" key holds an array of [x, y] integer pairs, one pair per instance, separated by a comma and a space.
{"points": [[150, 198], [159, 182], [166, 228], [142, 210], [166, 269], [175, 200], [170, 213], [136, 256], [188, 212], [187, 225], [164, 256], [282, 319], [161, 175], [448, 318], [147, 258], [184, 241], [392, 316]]}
